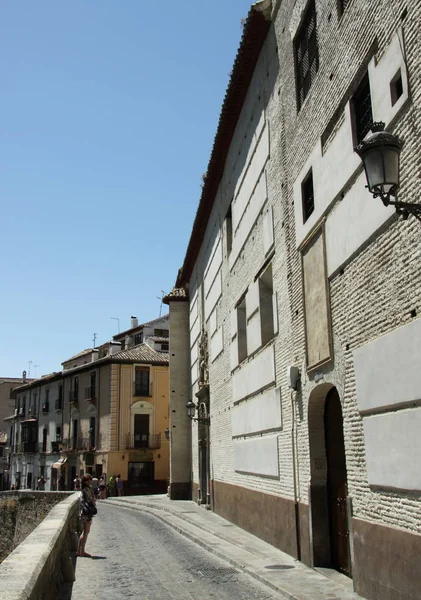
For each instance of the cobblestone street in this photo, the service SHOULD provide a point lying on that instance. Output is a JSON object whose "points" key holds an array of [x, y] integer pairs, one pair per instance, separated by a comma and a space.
{"points": [[135, 555]]}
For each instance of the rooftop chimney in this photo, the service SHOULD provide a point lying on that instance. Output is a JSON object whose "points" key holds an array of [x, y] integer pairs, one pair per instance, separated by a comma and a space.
{"points": [[24, 376], [133, 322]]}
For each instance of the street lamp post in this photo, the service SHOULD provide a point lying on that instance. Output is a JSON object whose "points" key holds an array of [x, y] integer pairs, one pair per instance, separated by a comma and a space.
{"points": [[380, 152], [202, 412]]}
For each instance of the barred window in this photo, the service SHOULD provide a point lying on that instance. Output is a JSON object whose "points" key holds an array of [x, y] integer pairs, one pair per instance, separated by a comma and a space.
{"points": [[363, 114], [306, 53]]}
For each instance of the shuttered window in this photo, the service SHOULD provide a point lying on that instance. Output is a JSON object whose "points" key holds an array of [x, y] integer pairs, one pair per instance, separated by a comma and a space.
{"points": [[306, 53]]}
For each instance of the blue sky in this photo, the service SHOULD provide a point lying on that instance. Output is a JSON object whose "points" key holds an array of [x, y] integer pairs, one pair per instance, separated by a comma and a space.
{"points": [[108, 114]]}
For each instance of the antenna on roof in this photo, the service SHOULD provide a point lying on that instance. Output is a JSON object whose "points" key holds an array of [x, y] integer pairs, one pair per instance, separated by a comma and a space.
{"points": [[160, 298], [118, 322]]}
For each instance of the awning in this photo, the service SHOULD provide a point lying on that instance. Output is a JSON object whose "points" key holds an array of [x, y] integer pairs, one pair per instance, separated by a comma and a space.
{"points": [[59, 463]]}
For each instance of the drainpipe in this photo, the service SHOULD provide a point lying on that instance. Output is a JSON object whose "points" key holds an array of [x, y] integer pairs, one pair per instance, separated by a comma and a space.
{"points": [[295, 473]]}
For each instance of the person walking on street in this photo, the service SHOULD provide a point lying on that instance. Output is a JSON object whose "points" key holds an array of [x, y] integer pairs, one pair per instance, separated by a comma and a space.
{"points": [[119, 485], [95, 485], [87, 497], [102, 488]]}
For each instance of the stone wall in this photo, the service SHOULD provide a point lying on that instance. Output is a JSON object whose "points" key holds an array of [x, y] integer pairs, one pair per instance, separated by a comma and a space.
{"points": [[20, 513]]}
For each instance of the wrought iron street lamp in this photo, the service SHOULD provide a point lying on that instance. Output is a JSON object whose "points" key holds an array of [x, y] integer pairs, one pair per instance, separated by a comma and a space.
{"points": [[167, 434], [380, 152], [202, 412]]}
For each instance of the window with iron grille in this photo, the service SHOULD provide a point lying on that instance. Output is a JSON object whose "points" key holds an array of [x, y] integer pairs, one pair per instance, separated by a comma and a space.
{"points": [[362, 111], [138, 339], [307, 195], [160, 332], [142, 381], [306, 53]]}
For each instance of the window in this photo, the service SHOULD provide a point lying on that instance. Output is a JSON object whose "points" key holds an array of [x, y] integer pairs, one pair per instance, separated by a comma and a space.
{"points": [[138, 338], [46, 404], [306, 53], [58, 434], [141, 381], [396, 88], [23, 407], [228, 230], [242, 330], [59, 401], [76, 389], [92, 431], [165, 347], [160, 332], [266, 305], [362, 112], [74, 434], [307, 195], [44, 439]]}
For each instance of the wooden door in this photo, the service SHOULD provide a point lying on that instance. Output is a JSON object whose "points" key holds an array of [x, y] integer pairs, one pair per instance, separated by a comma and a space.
{"points": [[336, 483]]}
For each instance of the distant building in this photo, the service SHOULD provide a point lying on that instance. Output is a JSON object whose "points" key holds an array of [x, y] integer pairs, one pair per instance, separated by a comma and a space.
{"points": [[105, 413], [157, 330]]}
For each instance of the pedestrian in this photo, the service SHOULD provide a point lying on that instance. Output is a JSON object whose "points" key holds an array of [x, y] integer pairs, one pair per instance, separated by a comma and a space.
{"points": [[119, 485], [102, 488], [41, 483], [87, 501], [76, 484], [111, 485], [95, 485]]}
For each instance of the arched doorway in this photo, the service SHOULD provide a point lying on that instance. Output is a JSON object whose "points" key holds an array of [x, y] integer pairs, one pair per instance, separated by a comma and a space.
{"points": [[328, 487]]}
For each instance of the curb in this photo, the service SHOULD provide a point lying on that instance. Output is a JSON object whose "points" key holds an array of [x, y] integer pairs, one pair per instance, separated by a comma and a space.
{"points": [[153, 510]]}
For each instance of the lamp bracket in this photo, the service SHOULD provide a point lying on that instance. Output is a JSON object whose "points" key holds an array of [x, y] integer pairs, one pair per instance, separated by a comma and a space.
{"points": [[403, 209]]}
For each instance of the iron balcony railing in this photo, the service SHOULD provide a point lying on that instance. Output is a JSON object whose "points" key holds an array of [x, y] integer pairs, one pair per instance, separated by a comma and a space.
{"points": [[151, 441], [90, 393], [79, 444], [26, 447]]}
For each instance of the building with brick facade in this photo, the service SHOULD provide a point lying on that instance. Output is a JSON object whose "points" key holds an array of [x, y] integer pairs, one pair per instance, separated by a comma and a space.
{"points": [[301, 295]]}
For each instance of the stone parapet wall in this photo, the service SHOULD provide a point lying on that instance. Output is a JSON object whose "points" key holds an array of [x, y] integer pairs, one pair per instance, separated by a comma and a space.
{"points": [[43, 562]]}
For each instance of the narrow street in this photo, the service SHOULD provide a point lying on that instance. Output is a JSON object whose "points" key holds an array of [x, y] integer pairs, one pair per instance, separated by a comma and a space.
{"points": [[135, 555]]}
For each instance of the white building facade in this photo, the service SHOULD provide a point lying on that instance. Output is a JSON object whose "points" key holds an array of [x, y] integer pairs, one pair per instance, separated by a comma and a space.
{"points": [[304, 294]]}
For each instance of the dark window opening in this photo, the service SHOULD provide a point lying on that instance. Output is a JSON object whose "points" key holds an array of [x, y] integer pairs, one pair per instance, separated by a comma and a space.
{"points": [[307, 194], [242, 330], [228, 230], [138, 339], [141, 381], [161, 332], [44, 439], [92, 430], [363, 114], [396, 87], [306, 54]]}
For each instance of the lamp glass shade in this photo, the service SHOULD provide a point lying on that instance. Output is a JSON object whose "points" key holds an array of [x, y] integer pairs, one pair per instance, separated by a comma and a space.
{"points": [[191, 409], [382, 168]]}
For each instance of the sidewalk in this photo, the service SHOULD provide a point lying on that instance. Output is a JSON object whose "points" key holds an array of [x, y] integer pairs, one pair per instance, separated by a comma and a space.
{"points": [[243, 550]]}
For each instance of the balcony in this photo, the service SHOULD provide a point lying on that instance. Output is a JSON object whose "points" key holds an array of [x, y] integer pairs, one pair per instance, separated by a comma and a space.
{"points": [[73, 396], [90, 393], [142, 389], [26, 447], [151, 441], [79, 444]]}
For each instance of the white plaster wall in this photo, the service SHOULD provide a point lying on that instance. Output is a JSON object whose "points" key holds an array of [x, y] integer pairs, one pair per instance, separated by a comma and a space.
{"points": [[249, 217], [258, 456], [213, 296], [268, 238], [213, 266], [216, 344], [351, 223], [393, 449], [388, 370], [254, 375], [213, 322], [258, 414], [381, 74]]}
